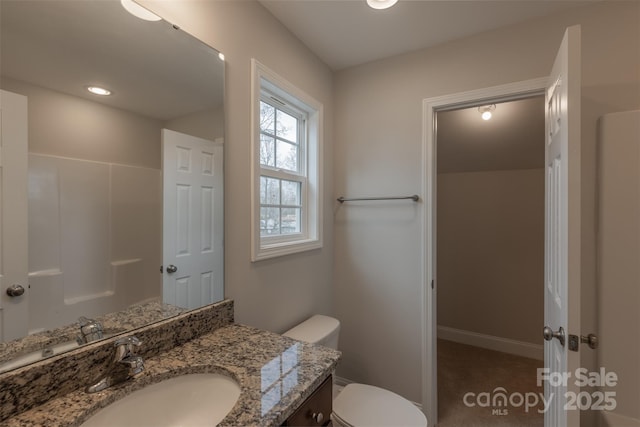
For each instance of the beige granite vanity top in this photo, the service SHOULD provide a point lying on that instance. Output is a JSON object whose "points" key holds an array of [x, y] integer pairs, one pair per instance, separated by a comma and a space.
{"points": [[276, 374], [133, 317]]}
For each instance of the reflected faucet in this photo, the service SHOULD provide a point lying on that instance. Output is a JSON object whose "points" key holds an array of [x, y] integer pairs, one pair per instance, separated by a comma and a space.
{"points": [[90, 330], [126, 364]]}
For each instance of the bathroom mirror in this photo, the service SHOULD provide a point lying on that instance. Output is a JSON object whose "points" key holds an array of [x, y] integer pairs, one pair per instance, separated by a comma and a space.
{"points": [[102, 244]]}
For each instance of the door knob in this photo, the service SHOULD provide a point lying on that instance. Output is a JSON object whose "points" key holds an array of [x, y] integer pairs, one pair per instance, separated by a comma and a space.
{"points": [[15, 290], [591, 340], [171, 268], [548, 334]]}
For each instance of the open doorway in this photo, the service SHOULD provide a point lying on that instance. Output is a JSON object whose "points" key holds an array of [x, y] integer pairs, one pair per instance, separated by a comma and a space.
{"points": [[490, 264]]}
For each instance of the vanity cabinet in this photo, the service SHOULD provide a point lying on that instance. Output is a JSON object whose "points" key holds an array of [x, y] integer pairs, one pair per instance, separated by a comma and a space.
{"points": [[316, 410]]}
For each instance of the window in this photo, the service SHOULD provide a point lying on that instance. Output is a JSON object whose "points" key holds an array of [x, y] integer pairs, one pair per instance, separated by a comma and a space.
{"points": [[286, 192], [282, 168]]}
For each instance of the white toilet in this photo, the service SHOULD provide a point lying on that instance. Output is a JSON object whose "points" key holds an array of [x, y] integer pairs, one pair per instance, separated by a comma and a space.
{"points": [[358, 404]]}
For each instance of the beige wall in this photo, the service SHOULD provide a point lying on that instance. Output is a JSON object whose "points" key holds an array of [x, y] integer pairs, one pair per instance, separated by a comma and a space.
{"points": [[491, 253], [619, 257], [378, 128], [208, 124], [277, 293], [69, 126]]}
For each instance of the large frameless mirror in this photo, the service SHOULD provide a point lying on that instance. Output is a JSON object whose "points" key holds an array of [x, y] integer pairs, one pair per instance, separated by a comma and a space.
{"points": [[124, 175]]}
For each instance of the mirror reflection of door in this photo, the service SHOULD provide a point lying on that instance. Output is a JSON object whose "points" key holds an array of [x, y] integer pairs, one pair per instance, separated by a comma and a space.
{"points": [[14, 312], [192, 220]]}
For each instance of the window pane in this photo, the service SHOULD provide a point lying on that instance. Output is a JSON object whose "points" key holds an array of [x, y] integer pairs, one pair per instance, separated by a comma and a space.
{"points": [[269, 221], [287, 156], [269, 191], [290, 220], [290, 193], [287, 126], [267, 151], [263, 190], [267, 118]]}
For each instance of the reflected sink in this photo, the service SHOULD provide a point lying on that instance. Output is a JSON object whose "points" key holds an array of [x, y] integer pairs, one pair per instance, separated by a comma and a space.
{"points": [[187, 400]]}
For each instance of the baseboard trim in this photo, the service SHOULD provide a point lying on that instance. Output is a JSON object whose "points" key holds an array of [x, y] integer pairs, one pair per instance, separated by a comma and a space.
{"points": [[341, 381], [505, 345]]}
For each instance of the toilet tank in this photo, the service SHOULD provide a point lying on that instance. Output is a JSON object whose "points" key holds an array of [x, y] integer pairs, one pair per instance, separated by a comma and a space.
{"points": [[318, 329]]}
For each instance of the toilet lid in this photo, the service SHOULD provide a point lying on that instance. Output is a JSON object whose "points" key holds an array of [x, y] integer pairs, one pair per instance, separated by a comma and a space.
{"points": [[366, 405]]}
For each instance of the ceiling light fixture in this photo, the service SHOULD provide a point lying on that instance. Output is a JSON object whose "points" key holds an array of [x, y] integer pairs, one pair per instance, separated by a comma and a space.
{"points": [[486, 111], [97, 90], [138, 11], [381, 4], [221, 56]]}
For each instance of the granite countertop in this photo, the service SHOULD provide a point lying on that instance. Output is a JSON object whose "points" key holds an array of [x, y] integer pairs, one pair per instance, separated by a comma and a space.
{"points": [[133, 317], [276, 374]]}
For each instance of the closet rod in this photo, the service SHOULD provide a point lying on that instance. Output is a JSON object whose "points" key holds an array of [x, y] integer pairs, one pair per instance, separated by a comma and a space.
{"points": [[415, 198]]}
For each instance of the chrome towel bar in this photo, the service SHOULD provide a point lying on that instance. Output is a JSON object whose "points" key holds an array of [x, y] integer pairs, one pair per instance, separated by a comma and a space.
{"points": [[415, 198]]}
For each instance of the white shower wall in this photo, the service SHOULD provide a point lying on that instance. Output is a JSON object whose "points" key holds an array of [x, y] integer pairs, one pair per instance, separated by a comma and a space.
{"points": [[94, 238]]}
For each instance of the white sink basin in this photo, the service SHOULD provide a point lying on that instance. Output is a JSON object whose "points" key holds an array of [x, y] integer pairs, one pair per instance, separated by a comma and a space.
{"points": [[188, 400]]}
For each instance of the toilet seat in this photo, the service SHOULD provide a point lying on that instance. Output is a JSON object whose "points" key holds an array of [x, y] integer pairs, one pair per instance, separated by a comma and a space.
{"points": [[366, 405]]}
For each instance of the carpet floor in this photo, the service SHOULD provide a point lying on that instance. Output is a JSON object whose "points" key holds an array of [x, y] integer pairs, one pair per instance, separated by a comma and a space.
{"points": [[468, 377]]}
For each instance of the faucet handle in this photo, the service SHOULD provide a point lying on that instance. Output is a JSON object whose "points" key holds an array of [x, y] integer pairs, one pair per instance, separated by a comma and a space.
{"points": [[124, 346], [130, 342], [90, 330]]}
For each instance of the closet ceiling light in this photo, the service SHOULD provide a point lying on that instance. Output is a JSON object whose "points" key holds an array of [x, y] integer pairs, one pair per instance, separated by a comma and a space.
{"points": [[487, 111], [381, 4]]}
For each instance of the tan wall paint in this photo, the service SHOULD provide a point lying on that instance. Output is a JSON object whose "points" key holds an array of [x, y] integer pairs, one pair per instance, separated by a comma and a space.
{"points": [[491, 253], [273, 294], [619, 256], [207, 124], [378, 128], [69, 126]]}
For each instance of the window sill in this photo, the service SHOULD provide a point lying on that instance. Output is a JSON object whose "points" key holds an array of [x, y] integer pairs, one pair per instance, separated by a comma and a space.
{"points": [[274, 250]]}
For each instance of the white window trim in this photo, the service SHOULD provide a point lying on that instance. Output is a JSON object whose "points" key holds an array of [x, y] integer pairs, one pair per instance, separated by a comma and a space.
{"points": [[311, 238]]}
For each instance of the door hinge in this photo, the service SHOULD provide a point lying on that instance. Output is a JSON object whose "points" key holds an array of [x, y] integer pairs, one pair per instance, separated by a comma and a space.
{"points": [[433, 284]]}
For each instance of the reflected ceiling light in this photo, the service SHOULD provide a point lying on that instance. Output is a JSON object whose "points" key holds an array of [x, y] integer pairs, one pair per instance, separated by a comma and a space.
{"points": [[97, 90], [138, 11], [486, 111], [221, 56], [381, 4]]}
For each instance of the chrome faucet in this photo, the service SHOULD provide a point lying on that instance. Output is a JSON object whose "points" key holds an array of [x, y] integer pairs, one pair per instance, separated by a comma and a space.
{"points": [[90, 330], [126, 364]]}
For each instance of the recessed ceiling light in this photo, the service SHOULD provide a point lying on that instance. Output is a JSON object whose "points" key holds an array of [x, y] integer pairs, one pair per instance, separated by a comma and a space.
{"points": [[138, 11], [97, 90], [221, 56], [381, 4]]}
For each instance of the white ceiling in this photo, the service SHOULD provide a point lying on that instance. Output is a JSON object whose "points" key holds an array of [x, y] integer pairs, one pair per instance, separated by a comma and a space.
{"points": [[344, 33]]}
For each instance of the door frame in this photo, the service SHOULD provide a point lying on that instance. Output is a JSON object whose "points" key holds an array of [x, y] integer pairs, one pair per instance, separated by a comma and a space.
{"points": [[430, 106]]}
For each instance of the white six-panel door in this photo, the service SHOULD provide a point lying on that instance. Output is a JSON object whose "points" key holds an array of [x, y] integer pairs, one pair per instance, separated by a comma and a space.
{"points": [[192, 220], [14, 313], [562, 227]]}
